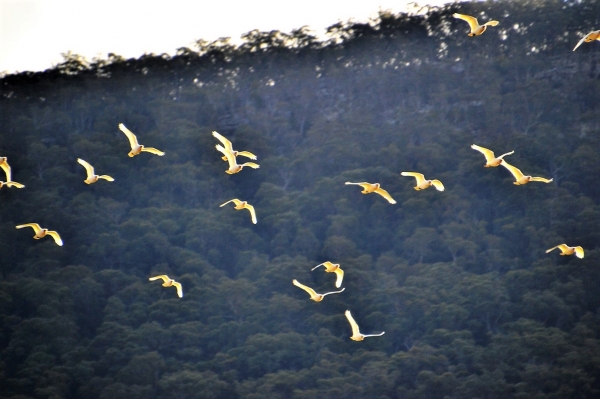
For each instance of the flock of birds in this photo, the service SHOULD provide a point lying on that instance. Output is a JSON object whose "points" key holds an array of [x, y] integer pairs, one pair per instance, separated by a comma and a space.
{"points": [[230, 155]]}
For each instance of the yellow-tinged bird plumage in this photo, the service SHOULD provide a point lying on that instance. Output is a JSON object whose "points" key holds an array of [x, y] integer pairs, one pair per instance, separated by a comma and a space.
{"points": [[313, 295], [491, 160], [91, 176], [168, 282], [229, 147], [333, 268], [476, 29], [41, 232], [567, 250], [520, 177], [423, 183], [356, 334], [239, 205], [136, 147], [6, 168], [590, 37], [234, 167], [369, 188]]}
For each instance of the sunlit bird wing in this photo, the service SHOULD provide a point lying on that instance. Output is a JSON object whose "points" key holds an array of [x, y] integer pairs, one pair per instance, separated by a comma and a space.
{"points": [[438, 185], [310, 291], [132, 138], [355, 330], [106, 177], [385, 195], [179, 289], [153, 151], [229, 155], [472, 21], [516, 172], [579, 252], [56, 237], [36, 227], [339, 277], [4, 165], [252, 212], [235, 200], [163, 277], [542, 179], [89, 168], [226, 143], [419, 176], [246, 154], [488, 154]]}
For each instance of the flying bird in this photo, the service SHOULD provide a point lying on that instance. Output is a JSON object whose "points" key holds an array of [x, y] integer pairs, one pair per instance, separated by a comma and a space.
{"points": [[476, 29], [41, 233], [6, 167], [520, 177], [423, 183], [136, 147], [313, 295], [567, 250], [228, 146], [91, 176], [369, 188], [233, 165], [356, 334], [590, 37], [491, 160], [333, 268], [169, 283], [239, 205]]}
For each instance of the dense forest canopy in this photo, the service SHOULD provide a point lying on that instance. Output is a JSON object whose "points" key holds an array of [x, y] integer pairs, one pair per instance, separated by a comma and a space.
{"points": [[471, 305]]}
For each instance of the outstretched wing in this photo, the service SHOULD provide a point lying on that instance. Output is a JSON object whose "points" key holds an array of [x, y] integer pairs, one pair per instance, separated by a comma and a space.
{"points": [[580, 42], [334, 292], [229, 155], [385, 195], [252, 212], [553, 248], [179, 289], [340, 276], [89, 168], [516, 172], [132, 139], [106, 177], [491, 23], [488, 154], [6, 167], [579, 252], [153, 151], [472, 21], [310, 291], [438, 185], [542, 179], [56, 237], [419, 176], [164, 278], [252, 165], [355, 330], [36, 227], [235, 200], [246, 154], [226, 143]]}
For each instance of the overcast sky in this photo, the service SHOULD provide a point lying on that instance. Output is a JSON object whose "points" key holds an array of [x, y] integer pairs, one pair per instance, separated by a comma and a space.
{"points": [[34, 33]]}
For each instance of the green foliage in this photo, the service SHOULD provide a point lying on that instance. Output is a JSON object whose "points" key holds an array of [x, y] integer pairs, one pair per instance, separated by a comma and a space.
{"points": [[471, 305]]}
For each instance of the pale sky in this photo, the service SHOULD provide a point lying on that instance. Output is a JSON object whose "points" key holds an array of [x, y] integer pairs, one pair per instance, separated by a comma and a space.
{"points": [[34, 33]]}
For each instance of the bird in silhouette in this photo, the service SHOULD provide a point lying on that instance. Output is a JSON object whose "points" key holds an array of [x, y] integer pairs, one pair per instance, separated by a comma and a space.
{"points": [[520, 177], [41, 233], [356, 334], [476, 29], [369, 188], [491, 160], [6, 167], [313, 295], [234, 167], [590, 37], [423, 183], [239, 205], [567, 250], [167, 282], [91, 176], [333, 268], [136, 147], [228, 146]]}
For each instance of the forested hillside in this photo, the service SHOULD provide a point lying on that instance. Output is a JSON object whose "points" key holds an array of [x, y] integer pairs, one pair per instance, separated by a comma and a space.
{"points": [[471, 304]]}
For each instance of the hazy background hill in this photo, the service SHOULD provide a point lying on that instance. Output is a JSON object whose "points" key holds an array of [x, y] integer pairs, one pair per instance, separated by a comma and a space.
{"points": [[471, 305]]}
